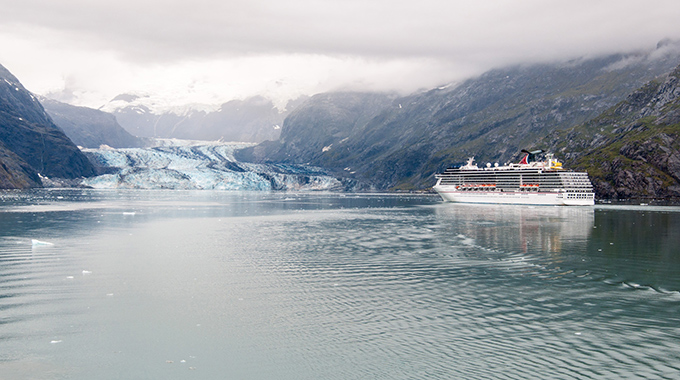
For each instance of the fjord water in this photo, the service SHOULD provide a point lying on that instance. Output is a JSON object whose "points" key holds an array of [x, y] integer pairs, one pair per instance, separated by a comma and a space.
{"points": [[230, 285]]}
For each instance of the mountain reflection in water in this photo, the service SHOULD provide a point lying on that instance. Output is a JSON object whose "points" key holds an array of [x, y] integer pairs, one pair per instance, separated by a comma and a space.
{"points": [[305, 286]]}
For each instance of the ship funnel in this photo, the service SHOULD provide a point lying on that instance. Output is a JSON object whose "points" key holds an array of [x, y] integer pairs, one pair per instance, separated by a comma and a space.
{"points": [[530, 156]]}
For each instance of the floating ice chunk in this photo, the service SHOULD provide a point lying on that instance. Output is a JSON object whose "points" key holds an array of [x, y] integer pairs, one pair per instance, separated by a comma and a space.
{"points": [[87, 272], [129, 213], [69, 277], [35, 242], [55, 341]]}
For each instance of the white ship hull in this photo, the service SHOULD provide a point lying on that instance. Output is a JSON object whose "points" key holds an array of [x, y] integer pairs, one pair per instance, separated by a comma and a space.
{"points": [[529, 182], [449, 194]]}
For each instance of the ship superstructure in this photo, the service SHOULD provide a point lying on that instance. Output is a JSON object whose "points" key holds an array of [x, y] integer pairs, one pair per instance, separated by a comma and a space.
{"points": [[528, 182]]}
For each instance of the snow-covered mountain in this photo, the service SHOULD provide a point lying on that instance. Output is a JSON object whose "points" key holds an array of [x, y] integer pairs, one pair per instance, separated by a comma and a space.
{"points": [[185, 164], [251, 120]]}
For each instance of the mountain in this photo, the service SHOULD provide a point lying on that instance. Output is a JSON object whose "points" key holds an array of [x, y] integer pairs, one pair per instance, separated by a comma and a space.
{"points": [[633, 149], [251, 120], [492, 117], [315, 127], [15, 173], [89, 127], [30, 144]]}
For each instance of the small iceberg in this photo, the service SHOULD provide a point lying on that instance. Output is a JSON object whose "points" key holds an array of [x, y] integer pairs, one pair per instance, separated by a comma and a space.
{"points": [[35, 243]]}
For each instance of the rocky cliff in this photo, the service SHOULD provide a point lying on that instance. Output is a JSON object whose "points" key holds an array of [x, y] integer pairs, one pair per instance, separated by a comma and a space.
{"points": [[30, 143], [633, 149]]}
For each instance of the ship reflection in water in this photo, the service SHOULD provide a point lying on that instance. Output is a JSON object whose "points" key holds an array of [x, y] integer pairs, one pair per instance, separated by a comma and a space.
{"points": [[512, 228], [258, 285], [631, 246]]}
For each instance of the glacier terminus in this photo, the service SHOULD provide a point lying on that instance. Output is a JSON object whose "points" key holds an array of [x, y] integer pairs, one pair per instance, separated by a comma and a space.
{"points": [[200, 165]]}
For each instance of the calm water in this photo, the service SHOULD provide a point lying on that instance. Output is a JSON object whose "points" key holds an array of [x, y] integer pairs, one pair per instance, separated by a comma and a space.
{"points": [[219, 285]]}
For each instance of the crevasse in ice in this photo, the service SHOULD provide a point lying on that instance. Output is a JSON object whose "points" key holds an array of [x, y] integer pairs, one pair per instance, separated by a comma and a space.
{"points": [[186, 165]]}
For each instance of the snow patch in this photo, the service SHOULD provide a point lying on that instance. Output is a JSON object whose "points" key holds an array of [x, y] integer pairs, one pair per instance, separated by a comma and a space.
{"points": [[155, 104]]}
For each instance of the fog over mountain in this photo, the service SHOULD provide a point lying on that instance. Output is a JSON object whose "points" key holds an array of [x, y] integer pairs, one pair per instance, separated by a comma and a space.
{"points": [[88, 127], [254, 119], [33, 150], [400, 143], [212, 52]]}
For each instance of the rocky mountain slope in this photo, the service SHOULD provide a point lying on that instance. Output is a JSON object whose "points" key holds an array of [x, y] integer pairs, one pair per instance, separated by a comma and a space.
{"points": [[252, 120], [324, 121], [30, 143], [633, 149], [402, 144], [88, 127]]}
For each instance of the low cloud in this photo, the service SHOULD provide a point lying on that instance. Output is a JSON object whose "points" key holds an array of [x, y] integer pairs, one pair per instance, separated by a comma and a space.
{"points": [[215, 50]]}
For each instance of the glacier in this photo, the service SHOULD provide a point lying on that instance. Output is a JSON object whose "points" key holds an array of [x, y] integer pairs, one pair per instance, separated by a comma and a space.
{"points": [[200, 165]]}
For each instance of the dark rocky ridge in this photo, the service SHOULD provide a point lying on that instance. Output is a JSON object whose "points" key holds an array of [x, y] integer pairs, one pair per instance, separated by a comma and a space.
{"points": [[30, 143], [15, 173]]}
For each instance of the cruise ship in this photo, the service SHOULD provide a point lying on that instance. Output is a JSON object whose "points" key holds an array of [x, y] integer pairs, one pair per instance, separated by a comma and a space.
{"points": [[530, 182]]}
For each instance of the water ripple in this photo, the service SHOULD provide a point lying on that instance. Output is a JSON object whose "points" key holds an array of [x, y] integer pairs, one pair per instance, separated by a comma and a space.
{"points": [[330, 289]]}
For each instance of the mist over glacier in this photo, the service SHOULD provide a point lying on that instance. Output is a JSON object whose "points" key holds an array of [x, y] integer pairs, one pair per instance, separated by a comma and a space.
{"points": [[201, 165]]}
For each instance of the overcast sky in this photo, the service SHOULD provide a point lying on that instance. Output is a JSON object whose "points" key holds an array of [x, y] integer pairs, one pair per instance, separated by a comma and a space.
{"points": [[211, 51]]}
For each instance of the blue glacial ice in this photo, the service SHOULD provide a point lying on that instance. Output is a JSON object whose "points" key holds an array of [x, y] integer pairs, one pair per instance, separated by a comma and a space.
{"points": [[189, 165]]}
